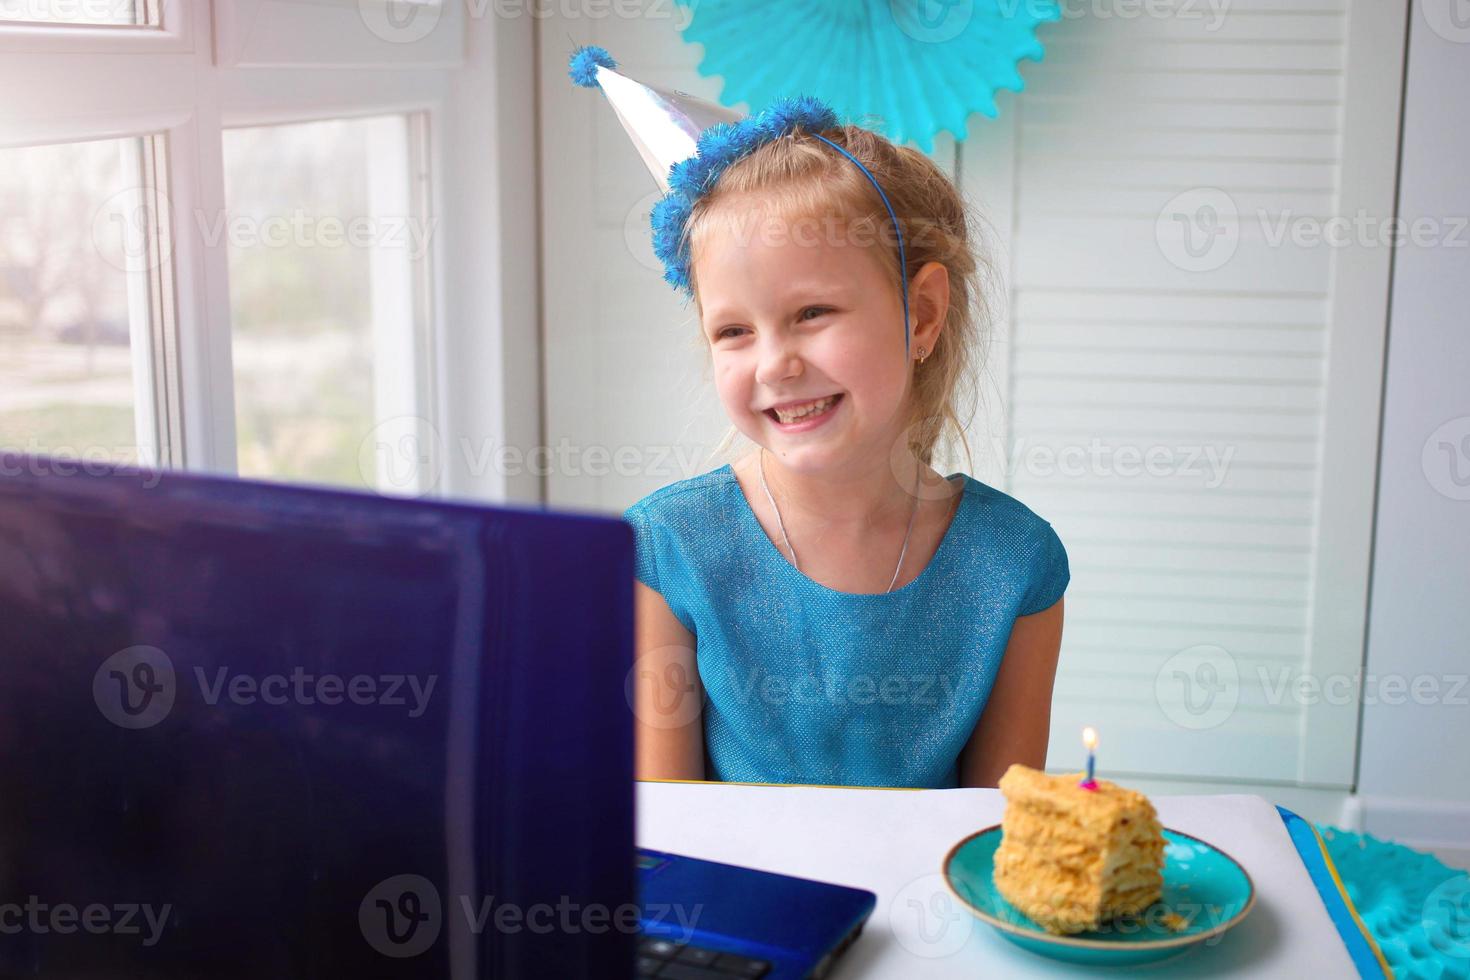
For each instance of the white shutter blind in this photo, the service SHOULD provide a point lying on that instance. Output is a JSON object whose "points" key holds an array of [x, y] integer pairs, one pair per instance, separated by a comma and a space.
{"points": [[1185, 395]]}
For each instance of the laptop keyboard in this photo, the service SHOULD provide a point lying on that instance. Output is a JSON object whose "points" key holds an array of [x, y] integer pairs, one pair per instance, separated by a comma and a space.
{"points": [[668, 960]]}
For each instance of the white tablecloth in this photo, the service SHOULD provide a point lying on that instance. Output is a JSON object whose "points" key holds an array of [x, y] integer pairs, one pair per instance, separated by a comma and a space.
{"points": [[892, 842]]}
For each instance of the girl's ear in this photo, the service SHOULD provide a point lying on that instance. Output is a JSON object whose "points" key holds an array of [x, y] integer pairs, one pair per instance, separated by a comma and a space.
{"points": [[928, 305]]}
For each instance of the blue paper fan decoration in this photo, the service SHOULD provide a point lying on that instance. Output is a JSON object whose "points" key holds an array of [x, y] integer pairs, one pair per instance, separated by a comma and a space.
{"points": [[911, 68]]}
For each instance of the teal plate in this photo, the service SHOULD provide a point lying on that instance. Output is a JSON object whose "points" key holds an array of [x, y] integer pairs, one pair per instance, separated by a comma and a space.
{"points": [[1202, 884]]}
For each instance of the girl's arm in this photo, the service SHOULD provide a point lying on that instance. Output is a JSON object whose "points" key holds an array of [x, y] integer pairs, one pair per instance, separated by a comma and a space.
{"points": [[1016, 722], [668, 699]]}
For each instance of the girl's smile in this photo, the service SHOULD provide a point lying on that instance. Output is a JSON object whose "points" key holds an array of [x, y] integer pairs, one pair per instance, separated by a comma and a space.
{"points": [[803, 416]]}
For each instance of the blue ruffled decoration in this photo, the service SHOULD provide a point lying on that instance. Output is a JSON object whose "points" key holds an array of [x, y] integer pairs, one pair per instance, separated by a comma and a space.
{"points": [[1409, 900], [584, 62], [921, 66], [716, 149]]}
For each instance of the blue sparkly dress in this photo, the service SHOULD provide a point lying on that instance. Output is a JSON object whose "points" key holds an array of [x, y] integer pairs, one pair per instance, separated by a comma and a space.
{"points": [[806, 684]]}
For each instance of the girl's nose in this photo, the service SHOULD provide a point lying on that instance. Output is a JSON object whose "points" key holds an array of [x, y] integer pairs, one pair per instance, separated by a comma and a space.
{"points": [[780, 360]]}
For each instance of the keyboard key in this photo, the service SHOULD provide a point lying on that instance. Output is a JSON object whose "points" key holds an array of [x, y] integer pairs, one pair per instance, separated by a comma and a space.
{"points": [[741, 966], [661, 948], [698, 955], [688, 971], [648, 966]]}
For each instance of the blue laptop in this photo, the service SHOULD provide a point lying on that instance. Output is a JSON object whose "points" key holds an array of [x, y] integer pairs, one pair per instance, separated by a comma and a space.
{"points": [[256, 730]]}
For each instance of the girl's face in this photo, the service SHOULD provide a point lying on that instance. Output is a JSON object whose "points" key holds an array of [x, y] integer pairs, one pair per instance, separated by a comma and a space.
{"points": [[800, 317]]}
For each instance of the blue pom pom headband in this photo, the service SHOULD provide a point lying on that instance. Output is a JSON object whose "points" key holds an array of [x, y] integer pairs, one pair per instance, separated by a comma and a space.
{"points": [[666, 126]]}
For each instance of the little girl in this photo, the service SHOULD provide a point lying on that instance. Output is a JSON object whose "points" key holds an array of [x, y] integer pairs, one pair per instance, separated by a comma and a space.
{"points": [[828, 609]]}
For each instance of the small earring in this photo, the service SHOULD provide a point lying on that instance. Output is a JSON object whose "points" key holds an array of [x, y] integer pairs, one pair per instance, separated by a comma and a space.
{"points": [[922, 355]]}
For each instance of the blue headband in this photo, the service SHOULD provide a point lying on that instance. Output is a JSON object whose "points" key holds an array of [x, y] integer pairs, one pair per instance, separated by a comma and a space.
{"points": [[903, 269]]}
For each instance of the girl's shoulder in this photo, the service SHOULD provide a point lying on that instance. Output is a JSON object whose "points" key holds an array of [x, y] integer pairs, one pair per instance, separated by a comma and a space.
{"points": [[686, 498], [679, 528], [1020, 543], [1000, 510]]}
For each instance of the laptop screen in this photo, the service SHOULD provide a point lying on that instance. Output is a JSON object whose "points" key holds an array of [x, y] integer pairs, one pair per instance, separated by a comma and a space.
{"points": [[257, 730]]}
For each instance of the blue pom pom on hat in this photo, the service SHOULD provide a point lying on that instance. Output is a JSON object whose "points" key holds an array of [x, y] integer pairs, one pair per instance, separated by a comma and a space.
{"points": [[687, 143], [585, 62]]}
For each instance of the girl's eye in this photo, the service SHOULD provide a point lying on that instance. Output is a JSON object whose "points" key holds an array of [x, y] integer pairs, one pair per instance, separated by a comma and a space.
{"points": [[724, 332], [818, 310]]}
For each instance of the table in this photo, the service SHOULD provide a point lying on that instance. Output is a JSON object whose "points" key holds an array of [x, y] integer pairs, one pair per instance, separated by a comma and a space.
{"points": [[892, 843]]}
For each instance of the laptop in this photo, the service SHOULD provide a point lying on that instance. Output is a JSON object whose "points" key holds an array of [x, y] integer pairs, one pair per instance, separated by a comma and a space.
{"points": [[262, 730]]}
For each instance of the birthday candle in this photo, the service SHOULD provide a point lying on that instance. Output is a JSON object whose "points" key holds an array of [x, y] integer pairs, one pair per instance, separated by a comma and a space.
{"points": [[1089, 739]]}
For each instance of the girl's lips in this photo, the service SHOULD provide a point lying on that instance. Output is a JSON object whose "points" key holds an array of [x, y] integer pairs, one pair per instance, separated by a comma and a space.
{"points": [[808, 423]]}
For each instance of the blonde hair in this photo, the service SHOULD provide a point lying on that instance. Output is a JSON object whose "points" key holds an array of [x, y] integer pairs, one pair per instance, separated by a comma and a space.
{"points": [[799, 175]]}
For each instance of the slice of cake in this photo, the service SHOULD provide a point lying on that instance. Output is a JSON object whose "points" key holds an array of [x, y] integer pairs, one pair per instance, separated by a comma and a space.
{"points": [[1072, 858]]}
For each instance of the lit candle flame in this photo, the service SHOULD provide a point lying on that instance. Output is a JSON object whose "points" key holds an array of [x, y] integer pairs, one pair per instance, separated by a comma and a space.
{"points": [[1089, 738]]}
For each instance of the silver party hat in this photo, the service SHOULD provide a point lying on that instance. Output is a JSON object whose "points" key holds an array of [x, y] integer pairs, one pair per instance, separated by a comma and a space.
{"points": [[663, 124]]}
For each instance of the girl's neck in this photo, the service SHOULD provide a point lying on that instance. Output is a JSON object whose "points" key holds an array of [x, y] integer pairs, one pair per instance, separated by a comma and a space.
{"points": [[853, 499]]}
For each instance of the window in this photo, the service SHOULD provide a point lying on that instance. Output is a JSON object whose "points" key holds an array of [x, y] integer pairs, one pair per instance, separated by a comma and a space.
{"points": [[240, 195], [328, 255], [90, 12], [75, 300]]}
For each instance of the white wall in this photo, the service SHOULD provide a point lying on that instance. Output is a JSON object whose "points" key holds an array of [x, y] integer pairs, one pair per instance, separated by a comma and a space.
{"points": [[1414, 776]]}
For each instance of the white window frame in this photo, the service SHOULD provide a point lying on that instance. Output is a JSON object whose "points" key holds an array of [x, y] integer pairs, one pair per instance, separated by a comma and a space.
{"points": [[174, 33], [190, 77]]}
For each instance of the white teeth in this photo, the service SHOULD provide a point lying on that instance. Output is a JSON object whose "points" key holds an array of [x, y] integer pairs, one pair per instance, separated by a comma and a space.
{"points": [[815, 408]]}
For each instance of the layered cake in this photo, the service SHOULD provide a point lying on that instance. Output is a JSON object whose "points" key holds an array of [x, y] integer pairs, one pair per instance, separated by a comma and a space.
{"points": [[1073, 857]]}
